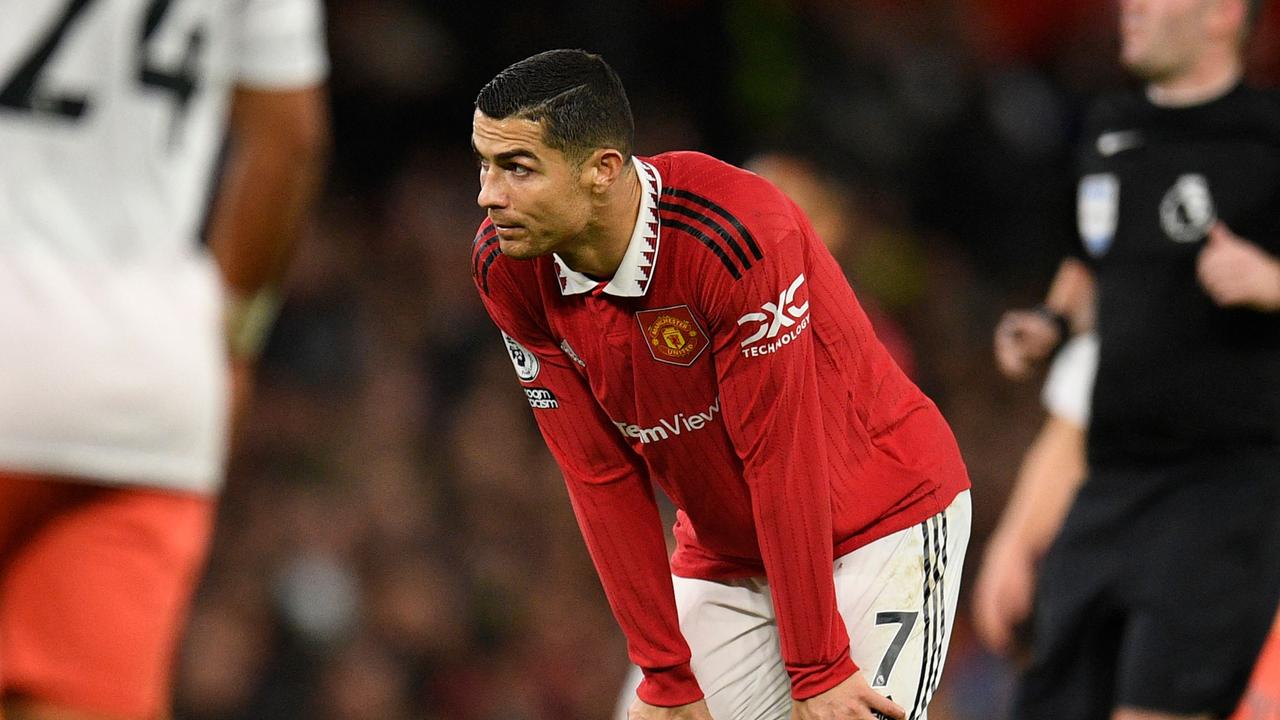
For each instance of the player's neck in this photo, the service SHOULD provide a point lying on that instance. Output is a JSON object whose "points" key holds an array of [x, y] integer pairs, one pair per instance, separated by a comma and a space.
{"points": [[1208, 81], [606, 239]]}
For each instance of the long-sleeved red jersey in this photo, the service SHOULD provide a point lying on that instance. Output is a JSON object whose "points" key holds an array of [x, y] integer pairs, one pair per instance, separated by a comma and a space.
{"points": [[728, 361]]}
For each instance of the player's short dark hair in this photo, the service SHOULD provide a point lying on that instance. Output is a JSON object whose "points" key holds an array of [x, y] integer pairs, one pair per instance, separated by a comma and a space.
{"points": [[575, 95]]}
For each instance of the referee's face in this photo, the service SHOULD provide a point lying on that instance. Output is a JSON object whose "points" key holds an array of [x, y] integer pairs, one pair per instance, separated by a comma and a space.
{"points": [[534, 195], [1162, 40]]}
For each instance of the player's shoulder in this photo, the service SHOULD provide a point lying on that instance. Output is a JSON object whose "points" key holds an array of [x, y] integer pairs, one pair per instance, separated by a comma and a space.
{"points": [[719, 212], [495, 274], [484, 253], [686, 173]]}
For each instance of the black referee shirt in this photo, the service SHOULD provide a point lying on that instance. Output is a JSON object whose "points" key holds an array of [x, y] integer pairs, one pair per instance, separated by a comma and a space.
{"points": [[1178, 376]]}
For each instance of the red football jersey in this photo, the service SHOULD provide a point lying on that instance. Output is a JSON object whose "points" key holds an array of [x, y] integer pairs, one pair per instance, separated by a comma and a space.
{"points": [[728, 361]]}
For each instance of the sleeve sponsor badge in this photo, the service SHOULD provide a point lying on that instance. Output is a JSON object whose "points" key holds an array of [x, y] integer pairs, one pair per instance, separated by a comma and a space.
{"points": [[541, 398], [525, 362]]}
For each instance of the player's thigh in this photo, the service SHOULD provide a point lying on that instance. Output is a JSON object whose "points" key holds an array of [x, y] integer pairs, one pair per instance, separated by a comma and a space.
{"points": [[732, 633], [898, 599], [92, 602]]}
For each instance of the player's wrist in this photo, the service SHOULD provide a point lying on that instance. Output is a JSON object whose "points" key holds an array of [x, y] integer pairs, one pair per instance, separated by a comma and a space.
{"points": [[247, 320], [669, 687], [808, 681]]}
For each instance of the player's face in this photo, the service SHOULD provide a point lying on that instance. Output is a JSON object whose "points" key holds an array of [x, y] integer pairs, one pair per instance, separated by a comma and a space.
{"points": [[534, 195], [1161, 39]]}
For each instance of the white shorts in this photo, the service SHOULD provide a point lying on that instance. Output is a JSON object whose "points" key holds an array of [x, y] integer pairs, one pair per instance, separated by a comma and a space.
{"points": [[897, 596]]}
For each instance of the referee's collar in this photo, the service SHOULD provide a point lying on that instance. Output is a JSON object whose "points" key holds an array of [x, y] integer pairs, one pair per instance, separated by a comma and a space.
{"points": [[636, 270]]}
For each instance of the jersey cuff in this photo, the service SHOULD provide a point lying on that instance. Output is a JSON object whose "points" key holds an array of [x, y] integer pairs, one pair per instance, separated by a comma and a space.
{"points": [[669, 687], [810, 680]]}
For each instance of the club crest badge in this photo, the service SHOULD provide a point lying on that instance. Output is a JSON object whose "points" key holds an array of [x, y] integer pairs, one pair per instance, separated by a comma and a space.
{"points": [[1097, 211], [672, 334], [1187, 212]]}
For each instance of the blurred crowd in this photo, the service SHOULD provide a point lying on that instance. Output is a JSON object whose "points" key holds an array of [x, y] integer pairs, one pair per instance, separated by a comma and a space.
{"points": [[395, 541]]}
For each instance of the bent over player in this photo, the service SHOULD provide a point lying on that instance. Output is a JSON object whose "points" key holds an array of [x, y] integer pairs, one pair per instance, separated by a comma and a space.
{"points": [[113, 353], [675, 319]]}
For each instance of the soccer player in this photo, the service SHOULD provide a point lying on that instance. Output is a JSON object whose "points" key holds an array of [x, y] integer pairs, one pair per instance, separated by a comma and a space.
{"points": [[675, 319], [113, 351], [1159, 589]]}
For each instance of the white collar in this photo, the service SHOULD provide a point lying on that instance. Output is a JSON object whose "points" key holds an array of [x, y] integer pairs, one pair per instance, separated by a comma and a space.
{"points": [[635, 272]]}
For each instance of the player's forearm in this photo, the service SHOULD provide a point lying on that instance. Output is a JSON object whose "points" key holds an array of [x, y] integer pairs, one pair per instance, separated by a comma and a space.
{"points": [[793, 527], [611, 496], [791, 505], [774, 414], [623, 531], [277, 151]]}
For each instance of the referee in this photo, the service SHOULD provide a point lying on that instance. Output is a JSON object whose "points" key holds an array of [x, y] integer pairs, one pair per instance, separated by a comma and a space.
{"points": [[1159, 589]]}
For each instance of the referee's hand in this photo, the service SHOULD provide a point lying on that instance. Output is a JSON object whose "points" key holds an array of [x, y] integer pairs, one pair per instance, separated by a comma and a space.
{"points": [[1024, 339], [1237, 273], [1002, 597]]}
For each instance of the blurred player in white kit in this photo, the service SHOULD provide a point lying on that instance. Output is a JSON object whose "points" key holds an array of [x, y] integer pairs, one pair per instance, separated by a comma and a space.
{"points": [[118, 327]]}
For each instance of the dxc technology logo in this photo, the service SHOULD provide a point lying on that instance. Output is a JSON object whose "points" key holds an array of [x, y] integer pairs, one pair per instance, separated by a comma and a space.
{"points": [[777, 316]]}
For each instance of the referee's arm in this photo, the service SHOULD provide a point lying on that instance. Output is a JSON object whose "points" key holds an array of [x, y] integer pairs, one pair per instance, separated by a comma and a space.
{"points": [[1024, 339]]}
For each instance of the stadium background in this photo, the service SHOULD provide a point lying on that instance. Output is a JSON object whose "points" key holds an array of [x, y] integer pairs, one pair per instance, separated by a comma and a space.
{"points": [[395, 542]]}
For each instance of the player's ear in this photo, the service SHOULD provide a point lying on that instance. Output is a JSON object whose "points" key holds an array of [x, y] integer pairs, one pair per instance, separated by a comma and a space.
{"points": [[603, 168]]}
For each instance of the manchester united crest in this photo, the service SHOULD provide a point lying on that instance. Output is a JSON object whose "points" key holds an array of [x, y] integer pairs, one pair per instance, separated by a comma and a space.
{"points": [[672, 334]]}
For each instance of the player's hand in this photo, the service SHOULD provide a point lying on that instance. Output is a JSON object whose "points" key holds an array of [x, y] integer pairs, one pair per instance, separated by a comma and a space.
{"points": [[1237, 273], [1024, 339], [852, 699], [1003, 595], [640, 710]]}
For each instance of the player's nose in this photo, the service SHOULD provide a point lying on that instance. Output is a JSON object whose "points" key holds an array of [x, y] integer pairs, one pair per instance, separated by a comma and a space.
{"points": [[492, 194]]}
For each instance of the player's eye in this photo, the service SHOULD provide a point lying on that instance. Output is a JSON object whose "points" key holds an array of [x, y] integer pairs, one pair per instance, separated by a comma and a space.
{"points": [[519, 170]]}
